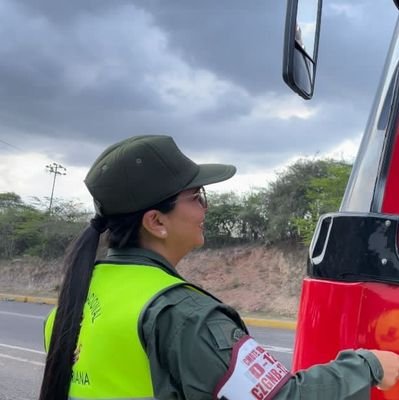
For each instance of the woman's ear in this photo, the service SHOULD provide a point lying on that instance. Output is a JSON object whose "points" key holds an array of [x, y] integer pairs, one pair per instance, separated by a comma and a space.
{"points": [[153, 224]]}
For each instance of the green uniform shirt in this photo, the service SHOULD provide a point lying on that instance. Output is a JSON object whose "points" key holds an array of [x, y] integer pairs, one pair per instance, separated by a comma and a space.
{"points": [[188, 338]]}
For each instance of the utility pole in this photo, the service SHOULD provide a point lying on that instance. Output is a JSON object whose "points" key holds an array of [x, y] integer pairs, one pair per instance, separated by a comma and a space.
{"points": [[56, 169]]}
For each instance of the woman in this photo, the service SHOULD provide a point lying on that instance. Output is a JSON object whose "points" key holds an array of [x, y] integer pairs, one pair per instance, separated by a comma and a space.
{"points": [[130, 327]]}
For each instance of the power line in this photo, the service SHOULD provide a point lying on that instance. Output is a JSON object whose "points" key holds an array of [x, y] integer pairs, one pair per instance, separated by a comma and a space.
{"points": [[9, 144]]}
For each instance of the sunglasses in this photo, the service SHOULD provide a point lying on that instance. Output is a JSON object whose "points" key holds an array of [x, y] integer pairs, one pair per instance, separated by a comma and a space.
{"points": [[199, 196]]}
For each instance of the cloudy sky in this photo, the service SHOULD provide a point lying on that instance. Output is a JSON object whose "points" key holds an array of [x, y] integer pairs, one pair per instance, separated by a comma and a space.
{"points": [[78, 75]]}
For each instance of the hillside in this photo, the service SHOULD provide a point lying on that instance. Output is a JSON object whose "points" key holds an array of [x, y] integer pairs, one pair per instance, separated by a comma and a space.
{"points": [[262, 280]]}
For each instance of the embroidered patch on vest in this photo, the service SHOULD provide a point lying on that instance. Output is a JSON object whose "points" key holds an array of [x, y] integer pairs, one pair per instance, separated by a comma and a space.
{"points": [[253, 373]]}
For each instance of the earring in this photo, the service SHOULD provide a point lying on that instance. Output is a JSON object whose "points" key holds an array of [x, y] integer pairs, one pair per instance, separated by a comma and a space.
{"points": [[163, 233]]}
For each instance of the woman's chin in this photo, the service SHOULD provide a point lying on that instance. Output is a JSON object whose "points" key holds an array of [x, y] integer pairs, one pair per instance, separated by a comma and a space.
{"points": [[200, 243]]}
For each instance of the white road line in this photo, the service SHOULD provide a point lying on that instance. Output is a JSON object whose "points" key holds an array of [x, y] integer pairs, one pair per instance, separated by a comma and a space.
{"points": [[271, 348], [8, 346], [41, 364], [22, 315], [22, 360], [278, 349]]}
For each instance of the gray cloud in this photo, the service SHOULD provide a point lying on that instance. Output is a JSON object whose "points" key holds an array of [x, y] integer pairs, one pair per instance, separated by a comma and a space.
{"points": [[241, 41], [78, 75]]}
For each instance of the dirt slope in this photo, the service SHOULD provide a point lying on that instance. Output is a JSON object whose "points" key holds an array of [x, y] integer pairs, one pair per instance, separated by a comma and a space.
{"points": [[254, 279]]}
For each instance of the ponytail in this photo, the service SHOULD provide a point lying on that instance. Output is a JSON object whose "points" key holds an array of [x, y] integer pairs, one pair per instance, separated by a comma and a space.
{"points": [[79, 263], [123, 231]]}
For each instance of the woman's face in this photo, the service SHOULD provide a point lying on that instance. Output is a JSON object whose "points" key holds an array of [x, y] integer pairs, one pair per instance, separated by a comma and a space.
{"points": [[185, 223]]}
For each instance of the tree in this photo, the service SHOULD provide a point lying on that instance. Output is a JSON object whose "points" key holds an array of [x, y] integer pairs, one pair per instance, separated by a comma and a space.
{"points": [[222, 218], [324, 194], [31, 229], [233, 218], [13, 213], [58, 228], [253, 215], [10, 199], [286, 197], [293, 197]]}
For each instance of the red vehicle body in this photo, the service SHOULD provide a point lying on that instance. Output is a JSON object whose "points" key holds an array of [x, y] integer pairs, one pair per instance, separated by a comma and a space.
{"points": [[350, 298]]}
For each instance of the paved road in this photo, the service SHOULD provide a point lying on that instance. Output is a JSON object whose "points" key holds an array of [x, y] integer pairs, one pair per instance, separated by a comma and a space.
{"points": [[22, 355], [21, 350]]}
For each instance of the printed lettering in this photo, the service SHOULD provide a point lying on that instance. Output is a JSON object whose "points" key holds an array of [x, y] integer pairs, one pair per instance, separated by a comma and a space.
{"points": [[260, 349], [281, 368], [251, 357], [257, 370], [255, 392], [259, 391], [80, 378], [267, 384], [269, 358], [250, 377], [94, 305], [274, 376]]}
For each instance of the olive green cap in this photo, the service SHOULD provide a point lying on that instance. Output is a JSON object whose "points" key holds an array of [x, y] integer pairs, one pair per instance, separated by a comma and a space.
{"points": [[141, 171]]}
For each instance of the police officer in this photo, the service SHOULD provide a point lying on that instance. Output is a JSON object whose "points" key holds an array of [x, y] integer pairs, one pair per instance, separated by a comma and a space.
{"points": [[130, 327]]}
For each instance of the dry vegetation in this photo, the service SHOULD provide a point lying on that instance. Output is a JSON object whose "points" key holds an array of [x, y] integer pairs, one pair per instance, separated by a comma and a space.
{"points": [[257, 280]]}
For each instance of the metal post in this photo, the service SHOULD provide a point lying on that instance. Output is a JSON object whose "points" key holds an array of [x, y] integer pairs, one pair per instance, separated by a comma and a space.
{"points": [[56, 169]]}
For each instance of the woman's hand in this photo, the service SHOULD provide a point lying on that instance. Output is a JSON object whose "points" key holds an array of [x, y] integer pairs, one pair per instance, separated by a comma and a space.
{"points": [[390, 364]]}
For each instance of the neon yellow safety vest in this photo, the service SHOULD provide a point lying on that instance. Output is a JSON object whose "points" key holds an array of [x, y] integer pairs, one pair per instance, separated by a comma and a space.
{"points": [[110, 362]]}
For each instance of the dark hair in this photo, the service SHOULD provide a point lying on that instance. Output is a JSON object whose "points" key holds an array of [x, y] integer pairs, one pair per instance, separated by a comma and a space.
{"points": [[123, 231]]}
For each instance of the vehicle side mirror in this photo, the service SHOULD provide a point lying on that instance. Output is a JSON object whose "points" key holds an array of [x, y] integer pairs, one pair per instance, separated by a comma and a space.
{"points": [[301, 43]]}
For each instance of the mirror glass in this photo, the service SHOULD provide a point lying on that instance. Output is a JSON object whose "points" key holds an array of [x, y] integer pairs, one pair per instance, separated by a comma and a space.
{"points": [[305, 32], [301, 45]]}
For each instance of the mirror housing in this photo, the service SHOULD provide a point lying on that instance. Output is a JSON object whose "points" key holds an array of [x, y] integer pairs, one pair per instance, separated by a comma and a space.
{"points": [[301, 43]]}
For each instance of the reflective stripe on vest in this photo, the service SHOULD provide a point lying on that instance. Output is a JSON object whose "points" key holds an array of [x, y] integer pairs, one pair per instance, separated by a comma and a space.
{"points": [[110, 362]]}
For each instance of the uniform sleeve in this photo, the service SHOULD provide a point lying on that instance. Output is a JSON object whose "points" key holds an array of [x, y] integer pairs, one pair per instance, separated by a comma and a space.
{"points": [[189, 339], [349, 377]]}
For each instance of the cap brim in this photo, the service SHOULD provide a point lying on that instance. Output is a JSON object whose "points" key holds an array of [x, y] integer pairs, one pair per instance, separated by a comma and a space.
{"points": [[211, 173]]}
